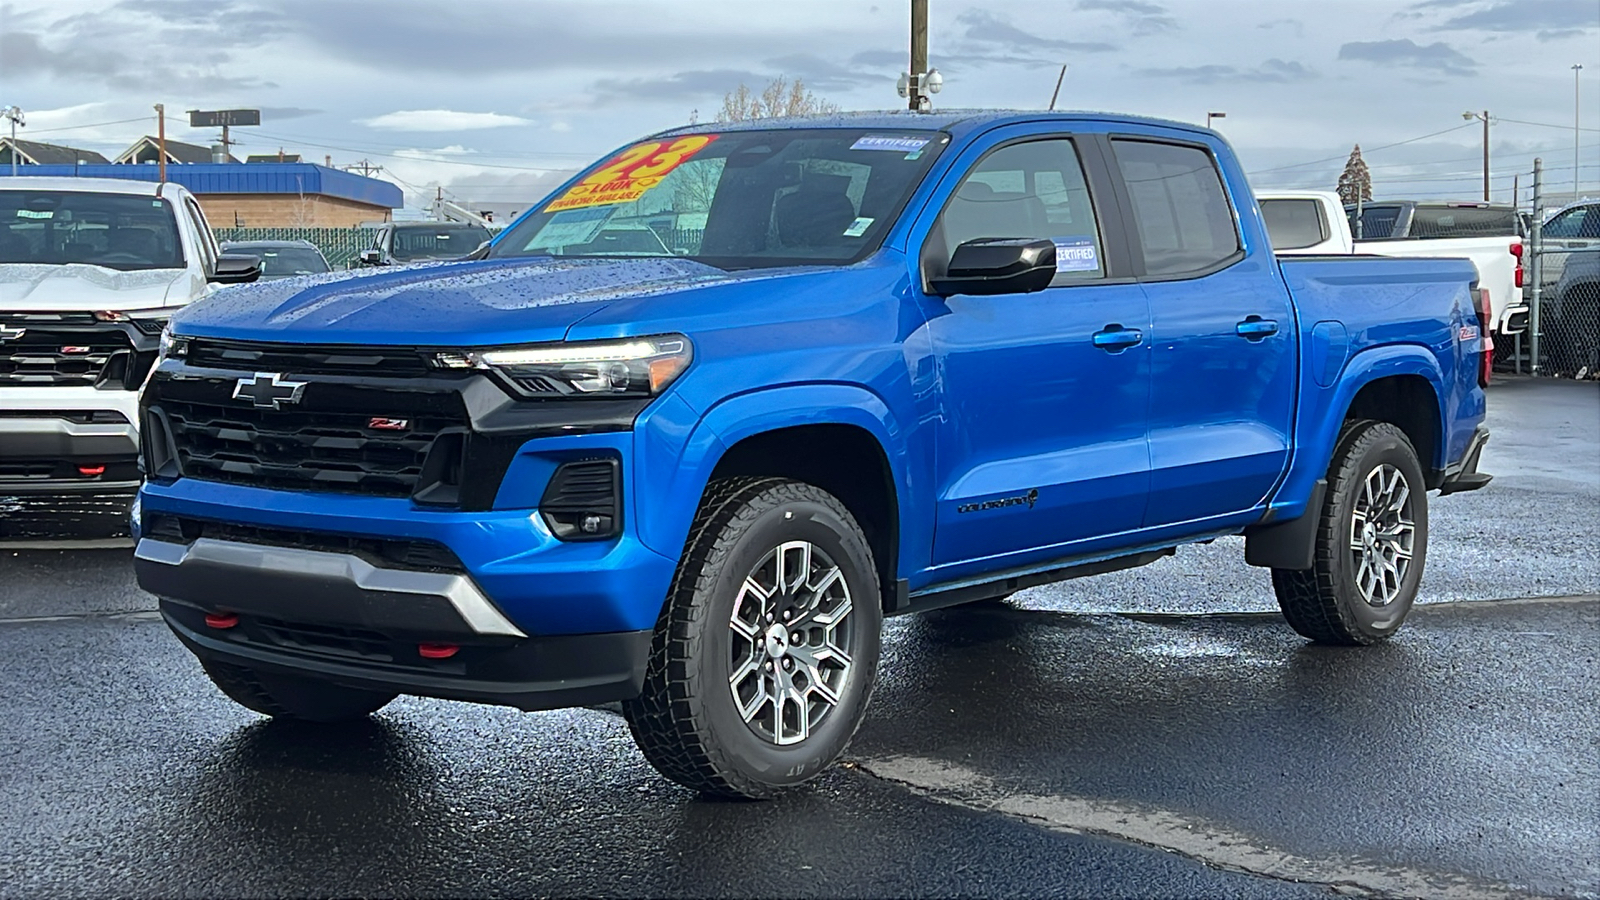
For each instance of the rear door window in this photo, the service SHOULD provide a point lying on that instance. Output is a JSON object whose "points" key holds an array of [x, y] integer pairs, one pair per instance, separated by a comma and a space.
{"points": [[1185, 222], [1294, 224]]}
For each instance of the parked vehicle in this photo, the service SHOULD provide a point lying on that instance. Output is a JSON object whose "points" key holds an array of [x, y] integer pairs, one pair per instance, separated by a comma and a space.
{"points": [[1306, 223], [282, 259], [90, 269], [1570, 303], [407, 242], [1488, 234], [908, 361]]}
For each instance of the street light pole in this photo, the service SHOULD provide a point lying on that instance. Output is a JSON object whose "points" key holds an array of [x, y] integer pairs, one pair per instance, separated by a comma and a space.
{"points": [[14, 114], [1484, 117], [1575, 192], [1214, 115], [919, 52]]}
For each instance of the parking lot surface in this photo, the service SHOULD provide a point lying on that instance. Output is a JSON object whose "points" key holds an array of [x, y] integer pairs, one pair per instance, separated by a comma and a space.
{"points": [[1158, 732]]}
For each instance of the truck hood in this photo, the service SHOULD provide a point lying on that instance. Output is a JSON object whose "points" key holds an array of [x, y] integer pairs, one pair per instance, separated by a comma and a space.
{"points": [[441, 304], [77, 288]]}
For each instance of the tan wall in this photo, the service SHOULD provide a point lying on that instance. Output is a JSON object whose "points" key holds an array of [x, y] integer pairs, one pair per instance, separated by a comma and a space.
{"points": [[287, 211]]}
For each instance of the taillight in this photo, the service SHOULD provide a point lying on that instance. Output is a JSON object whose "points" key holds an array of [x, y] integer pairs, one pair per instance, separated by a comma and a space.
{"points": [[1486, 351], [1516, 250]]}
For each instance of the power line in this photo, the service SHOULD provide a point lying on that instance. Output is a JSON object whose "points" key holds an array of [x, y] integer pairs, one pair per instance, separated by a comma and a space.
{"points": [[1542, 124], [1371, 150], [94, 125]]}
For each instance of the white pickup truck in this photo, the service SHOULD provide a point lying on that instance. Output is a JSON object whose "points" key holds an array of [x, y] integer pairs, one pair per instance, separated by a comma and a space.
{"points": [[90, 270], [1489, 235]]}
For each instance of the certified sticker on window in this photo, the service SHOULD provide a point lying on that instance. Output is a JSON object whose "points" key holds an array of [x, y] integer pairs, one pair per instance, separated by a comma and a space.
{"points": [[625, 177], [892, 143], [1076, 254]]}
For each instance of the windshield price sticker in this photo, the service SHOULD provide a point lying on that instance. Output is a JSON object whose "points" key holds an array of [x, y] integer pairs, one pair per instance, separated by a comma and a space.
{"points": [[890, 143], [625, 177], [1076, 254]]}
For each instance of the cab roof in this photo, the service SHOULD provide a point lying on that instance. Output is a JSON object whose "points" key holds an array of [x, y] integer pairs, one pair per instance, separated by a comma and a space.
{"points": [[87, 185], [955, 122]]}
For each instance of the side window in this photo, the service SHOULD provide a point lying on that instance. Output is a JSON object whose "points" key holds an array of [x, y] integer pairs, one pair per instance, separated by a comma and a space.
{"points": [[208, 241], [1582, 222], [1294, 224], [1034, 189], [1182, 212]]}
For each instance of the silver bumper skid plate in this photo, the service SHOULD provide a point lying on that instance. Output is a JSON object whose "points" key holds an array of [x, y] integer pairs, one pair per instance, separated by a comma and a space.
{"points": [[213, 572]]}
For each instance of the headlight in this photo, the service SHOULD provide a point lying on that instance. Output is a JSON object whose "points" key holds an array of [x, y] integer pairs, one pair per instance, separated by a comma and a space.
{"points": [[637, 367], [149, 321]]}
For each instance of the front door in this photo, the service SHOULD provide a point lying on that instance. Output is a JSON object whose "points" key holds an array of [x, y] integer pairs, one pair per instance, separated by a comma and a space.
{"points": [[1222, 352], [1041, 441]]}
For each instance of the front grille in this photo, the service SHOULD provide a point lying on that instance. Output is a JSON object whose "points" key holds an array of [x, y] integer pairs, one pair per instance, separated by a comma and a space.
{"points": [[387, 553], [301, 450], [385, 362], [355, 643], [45, 355]]}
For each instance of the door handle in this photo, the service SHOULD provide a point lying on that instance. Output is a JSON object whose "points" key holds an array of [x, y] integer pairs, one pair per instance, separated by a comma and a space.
{"points": [[1115, 338], [1255, 328]]}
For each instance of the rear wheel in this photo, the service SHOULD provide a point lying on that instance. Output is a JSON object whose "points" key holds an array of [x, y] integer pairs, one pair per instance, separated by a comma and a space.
{"points": [[766, 651], [1372, 542], [289, 697]]}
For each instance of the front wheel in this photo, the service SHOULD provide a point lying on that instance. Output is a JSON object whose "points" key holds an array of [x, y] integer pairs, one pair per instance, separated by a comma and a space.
{"points": [[1372, 542], [766, 651]]}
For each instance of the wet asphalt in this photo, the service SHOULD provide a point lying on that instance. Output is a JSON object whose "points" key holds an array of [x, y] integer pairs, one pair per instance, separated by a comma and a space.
{"points": [[1158, 732]]}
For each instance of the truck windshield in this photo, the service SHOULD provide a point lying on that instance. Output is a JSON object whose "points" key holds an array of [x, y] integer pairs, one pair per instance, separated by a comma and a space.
{"points": [[433, 242], [116, 231], [735, 200], [281, 262]]}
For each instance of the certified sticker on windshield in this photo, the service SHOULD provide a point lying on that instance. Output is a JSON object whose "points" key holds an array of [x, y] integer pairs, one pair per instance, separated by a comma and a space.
{"points": [[892, 143], [625, 177]]}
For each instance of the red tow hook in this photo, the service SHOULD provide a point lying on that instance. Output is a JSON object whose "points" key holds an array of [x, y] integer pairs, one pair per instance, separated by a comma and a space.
{"points": [[437, 651], [91, 471], [222, 620]]}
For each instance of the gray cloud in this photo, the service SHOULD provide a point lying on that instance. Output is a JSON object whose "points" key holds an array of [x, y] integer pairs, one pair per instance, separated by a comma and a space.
{"points": [[1295, 25], [280, 113], [1524, 15], [881, 58], [1145, 18], [822, 74], [683, 87], [985, 28], [1273, 70], [1436, 57]]}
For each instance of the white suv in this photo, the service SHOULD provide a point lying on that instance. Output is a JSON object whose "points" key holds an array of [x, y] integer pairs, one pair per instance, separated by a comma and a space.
{"points": [[90, 269]]}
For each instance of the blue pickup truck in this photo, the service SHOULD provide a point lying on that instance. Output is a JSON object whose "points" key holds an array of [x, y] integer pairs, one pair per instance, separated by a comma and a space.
{"points": [[686, 432]]}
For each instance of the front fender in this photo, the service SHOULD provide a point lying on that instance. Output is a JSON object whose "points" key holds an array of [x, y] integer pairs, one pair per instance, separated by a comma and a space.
{"points": [[678, 477], [1323, 412]]}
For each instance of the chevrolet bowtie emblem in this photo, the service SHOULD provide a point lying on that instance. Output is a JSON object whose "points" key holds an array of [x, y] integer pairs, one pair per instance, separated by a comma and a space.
{"points": [[8, 332], [265, 391]]}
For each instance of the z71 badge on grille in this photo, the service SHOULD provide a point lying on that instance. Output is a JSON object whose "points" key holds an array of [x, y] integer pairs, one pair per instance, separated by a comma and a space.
{"points": [[382, 424], [264, 390]]}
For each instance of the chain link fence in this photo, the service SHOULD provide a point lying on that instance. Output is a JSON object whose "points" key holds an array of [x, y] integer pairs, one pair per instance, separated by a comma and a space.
{"points": [[1564, 289], [338, 245]]}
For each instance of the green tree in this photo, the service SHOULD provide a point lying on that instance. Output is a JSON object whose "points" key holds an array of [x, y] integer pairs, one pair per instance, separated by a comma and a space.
{"points": [[1355, 182]]}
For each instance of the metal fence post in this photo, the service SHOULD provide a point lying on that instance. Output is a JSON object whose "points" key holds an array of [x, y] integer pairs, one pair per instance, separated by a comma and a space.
{"points": [[1536, 255]]}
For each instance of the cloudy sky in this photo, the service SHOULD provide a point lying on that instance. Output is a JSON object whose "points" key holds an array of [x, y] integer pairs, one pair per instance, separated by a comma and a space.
{"points": [[496, 99]]}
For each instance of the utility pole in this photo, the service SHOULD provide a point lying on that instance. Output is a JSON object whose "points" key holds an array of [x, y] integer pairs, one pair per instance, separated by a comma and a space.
{"points": [[161, 141], [1575, 192], [1483, 117], [14, 115], [366, 167], [919, 51]]}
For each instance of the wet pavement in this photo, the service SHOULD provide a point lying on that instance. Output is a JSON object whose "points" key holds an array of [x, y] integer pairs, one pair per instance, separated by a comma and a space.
{"points": [[1082, 741]]}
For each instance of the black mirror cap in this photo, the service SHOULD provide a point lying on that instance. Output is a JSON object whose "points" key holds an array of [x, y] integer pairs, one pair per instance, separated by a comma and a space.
{"points": [[999, 266], [236, 269]]}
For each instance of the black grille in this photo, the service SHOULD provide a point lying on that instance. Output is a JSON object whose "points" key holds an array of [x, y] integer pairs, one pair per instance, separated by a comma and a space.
{"points": [[45, 355], [387, 362], [388, 553], [300, 450]]}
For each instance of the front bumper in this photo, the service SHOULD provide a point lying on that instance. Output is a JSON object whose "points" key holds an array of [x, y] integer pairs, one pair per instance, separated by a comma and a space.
{"points": [[54, 439]]}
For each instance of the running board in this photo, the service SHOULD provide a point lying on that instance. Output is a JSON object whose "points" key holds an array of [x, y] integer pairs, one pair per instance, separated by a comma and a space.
{"points": [[1000, 587]]}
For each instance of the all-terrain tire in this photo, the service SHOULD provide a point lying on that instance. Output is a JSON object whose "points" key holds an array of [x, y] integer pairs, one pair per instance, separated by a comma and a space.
{"points": [[687, 721], [1325, 603], [288, 697]]}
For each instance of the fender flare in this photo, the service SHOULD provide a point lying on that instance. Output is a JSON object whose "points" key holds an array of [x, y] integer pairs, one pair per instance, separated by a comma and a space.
{"points": [[665, 528]]}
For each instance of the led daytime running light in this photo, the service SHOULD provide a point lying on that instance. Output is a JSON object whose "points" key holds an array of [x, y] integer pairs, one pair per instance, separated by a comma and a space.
{"points": [[533, 356]]}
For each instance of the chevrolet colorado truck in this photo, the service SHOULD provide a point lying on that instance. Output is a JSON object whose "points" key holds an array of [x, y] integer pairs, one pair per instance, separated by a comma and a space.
{"points": [[90, 269], [879, 363]]}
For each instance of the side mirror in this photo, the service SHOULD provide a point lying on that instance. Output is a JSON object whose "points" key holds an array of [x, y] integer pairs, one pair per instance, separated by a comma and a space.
{"points": [[236, 269], [999, 266], [370, 258]]}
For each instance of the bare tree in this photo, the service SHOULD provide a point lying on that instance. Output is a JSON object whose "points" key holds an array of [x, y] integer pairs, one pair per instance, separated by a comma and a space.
{"points": [[1355, 182], [781, 97]]}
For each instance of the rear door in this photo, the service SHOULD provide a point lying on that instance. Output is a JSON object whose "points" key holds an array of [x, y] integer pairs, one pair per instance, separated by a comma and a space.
{"points": [[1041, 435], [1222, 341]]}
